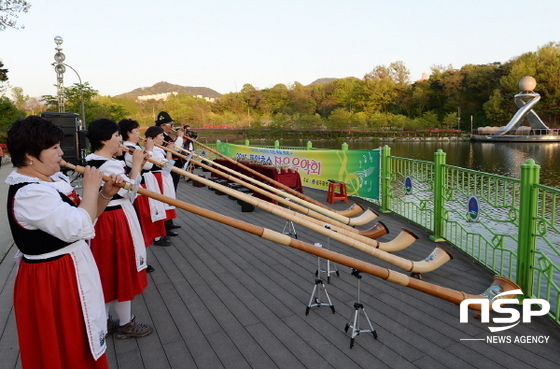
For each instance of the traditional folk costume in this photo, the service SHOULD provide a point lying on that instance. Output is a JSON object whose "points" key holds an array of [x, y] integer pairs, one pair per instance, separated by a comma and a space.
{"points": [[58, 298], [151, 213], [118, 245], [165, 182], [179, 143]]}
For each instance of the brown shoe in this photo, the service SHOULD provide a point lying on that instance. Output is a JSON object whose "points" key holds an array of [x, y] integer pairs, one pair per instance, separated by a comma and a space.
{"points": [[133, 329]]}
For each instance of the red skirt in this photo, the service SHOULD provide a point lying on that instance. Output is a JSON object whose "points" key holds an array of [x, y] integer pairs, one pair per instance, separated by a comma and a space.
{"points": [[113, 250], [150, 229], [170, 214], [51, 327]]}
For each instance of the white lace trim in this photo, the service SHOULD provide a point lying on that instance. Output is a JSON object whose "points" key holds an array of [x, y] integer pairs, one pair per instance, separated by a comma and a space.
{"points": [[61, 182]]}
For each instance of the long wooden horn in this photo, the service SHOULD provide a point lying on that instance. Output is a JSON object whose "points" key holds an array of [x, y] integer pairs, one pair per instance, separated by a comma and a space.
{"points": [[315, 212], [403, 240], [355, 209], [262, 176], [367, 216], [447, 294], [437, 258]]}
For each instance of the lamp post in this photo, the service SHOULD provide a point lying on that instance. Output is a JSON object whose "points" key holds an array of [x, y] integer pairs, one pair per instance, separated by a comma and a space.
{"points": [[81, 95], [60, 68]]}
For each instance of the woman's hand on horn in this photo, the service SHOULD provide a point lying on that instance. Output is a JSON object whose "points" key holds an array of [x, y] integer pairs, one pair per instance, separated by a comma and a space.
{"points": [[92, 179], [139, 156], [109, 188], [149, 146]]}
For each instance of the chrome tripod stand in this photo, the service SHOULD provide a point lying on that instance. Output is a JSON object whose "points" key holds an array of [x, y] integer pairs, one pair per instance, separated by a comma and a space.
{"points": [[358, 307], [331, 266], [289, 228], [315, 300]]}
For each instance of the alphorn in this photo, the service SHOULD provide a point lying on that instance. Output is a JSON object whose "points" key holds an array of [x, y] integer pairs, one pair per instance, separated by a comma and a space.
{"points": [[268, 179], [437, 258], [367, 216], [404, 239], [354, 209], [500, 284]]}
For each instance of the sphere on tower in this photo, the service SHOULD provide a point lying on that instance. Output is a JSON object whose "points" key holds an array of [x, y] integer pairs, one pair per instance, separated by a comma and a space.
{"points": [[527, 83]]}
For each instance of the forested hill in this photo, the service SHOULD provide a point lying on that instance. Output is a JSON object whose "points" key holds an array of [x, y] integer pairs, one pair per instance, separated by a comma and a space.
{"points": [[164, 87]]}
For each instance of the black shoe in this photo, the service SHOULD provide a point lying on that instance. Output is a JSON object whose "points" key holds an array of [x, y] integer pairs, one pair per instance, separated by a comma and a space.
{"points": [[172, 233], [150, 269], [162, 242], [174, 226]]}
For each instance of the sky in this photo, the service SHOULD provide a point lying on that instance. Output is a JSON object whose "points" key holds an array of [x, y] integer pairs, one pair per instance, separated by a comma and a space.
{"points": [[120, 45]]}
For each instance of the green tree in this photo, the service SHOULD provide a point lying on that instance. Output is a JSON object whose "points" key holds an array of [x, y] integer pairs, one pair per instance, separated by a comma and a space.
{"points": [[347, 93], [3, 73], [274, 100], [494, 108], [9, 113], [301, 99], [95, 106], [450, 120], [307, 122], [19, 98], [340, 119], [188, 109]]}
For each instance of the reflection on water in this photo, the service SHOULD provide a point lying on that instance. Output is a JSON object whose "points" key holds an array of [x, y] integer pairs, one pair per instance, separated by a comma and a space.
{"points": [[491, 157]]}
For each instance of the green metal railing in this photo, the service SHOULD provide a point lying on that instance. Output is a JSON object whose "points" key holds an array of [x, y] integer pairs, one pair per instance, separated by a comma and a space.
{"points": [[515, 231]]}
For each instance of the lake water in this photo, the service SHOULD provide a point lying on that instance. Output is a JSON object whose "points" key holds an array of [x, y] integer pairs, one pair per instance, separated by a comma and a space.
{"points": [[491, 157]]}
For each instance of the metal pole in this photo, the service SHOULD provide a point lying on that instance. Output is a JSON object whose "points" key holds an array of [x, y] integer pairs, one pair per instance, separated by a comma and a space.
{"points": [[81, 96]]}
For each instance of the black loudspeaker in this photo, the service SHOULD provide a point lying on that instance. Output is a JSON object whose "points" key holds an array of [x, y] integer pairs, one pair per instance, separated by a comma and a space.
{"points": [[74, 142]]}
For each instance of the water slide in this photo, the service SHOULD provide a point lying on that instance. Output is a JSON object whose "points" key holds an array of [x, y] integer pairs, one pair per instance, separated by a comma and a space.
{"points": [[525, 111]]}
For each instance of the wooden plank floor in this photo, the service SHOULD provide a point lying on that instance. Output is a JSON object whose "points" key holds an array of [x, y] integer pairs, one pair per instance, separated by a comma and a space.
{"points": [[223, 298]]}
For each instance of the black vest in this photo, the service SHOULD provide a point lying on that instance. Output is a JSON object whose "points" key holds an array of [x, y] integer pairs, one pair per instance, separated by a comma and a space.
{"points": [[33, 242]]}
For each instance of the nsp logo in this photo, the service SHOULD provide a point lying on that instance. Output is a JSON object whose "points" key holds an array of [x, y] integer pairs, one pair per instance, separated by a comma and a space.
{"points": [[497, 301]]}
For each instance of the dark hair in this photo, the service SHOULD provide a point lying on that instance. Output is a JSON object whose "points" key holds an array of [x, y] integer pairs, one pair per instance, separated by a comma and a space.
{"points": [[31, 136], [153, 131], [126, 126], [100, 130]]}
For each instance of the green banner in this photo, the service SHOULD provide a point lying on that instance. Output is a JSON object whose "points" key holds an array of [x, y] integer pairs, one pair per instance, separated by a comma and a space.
{"points": [[359, 169]]}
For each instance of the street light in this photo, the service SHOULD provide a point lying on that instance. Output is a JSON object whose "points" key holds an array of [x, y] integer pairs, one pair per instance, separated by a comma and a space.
{"points": [[81, 91], [60, 68]]}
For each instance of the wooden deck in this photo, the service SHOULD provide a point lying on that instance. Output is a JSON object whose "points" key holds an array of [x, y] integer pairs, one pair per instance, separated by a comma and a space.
{"points": [[222, 298]]}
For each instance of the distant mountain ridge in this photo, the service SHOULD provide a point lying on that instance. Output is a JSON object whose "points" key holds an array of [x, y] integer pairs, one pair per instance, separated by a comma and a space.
{"points": [[165, 87], [322, 81]]}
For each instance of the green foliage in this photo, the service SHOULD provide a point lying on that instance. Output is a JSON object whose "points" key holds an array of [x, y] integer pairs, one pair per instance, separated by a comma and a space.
{"points": [[95, 106], [9, 113], [3, 73], [494, 108], [450, 120], [340, 119]]}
